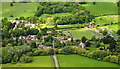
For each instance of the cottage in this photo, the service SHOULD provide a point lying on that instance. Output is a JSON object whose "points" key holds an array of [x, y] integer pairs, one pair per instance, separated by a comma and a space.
{"points": [[82, 45], [44, 47], [59, 38], [30, 25]]}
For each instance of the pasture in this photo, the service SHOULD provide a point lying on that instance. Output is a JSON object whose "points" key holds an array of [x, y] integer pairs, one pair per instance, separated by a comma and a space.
{"points": [[18, 9], [106, 19], [102, 8], [81, 61], [38, 61]]}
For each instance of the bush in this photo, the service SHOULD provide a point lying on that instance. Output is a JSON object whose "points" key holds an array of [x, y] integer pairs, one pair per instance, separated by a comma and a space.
{"points": [[99, 54], [83, 52], [48, 43], [49, 51], [38, 52], [26, 59], [111, 58]]}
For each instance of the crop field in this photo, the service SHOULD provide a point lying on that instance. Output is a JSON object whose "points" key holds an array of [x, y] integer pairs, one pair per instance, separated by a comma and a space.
{"points": [[18, 9], [106, 7], [39, 61], [81, 61]]}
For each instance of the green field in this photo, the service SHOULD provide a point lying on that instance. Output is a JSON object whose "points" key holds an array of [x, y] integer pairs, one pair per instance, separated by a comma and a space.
{"points": [[38, 61], [80, 33], [114, 27], [106, 19], [80, 61], [18, 9], [101, 8]]}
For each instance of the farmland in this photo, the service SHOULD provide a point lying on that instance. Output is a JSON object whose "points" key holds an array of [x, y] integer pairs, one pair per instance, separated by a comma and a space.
{"points": [[60, 34], [106, 7], [39, 61], [19, 9], [66, 61]]}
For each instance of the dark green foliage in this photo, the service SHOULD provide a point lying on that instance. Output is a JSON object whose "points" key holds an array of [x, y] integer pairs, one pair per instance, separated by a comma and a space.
{"points": [[33, 44], [87, 43], [13, 54], [26, 59], [83, 39], [32, 31], [69, 43], [49, 51], [11, 4], [58, 44], [118, 32], [99, 54], [108, 40], [93, 38], [105, 32], [17, 32], [48, 43]]}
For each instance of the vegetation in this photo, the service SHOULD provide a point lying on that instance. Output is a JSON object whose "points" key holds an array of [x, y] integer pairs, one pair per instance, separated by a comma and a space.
{"points": [[66, 61], [88, 30]]}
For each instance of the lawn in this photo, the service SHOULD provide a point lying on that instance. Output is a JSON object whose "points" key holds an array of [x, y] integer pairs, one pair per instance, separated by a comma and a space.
{"points": [[101, 8], [81, 61], [38, 61], [18, 9], [80, 33]]}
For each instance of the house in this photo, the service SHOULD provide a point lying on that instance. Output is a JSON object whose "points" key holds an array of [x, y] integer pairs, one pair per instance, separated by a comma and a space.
{"points": [[49, 32], [43, 47], [29, 38], [30, 25], [82, 45], [59, 38]]}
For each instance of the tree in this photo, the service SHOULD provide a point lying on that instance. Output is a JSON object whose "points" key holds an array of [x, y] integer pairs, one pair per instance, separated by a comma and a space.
{"points": [[11, 4], [32, 31], [93, 38], [118, 32], [17, 32], [39, 35], [83, 39], [105, 32], [33, 44], [26, 59], [112, 47]]}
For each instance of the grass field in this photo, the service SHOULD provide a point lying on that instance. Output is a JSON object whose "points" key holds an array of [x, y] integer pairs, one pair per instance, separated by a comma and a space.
{"points": [[114, 27], [106, 19], [18, 9], [101, 8], [80, 61], [38, 61], [80, 33]]}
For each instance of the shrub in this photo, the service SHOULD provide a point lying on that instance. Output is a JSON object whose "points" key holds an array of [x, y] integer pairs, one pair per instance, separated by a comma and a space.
{"points": [[38, 52], [83, 52], [49, 51], [26, 59], [111, 58], [99, 54]]}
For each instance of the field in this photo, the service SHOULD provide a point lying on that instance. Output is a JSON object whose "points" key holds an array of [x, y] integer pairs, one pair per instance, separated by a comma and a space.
{"points": [[80, 61], [79, 33], [106, 19], [38, 61], [18, 9], [101, 8], [114, 27]]}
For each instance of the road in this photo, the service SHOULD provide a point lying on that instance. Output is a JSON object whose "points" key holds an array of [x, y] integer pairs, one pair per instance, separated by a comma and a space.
{"points": [[55, 57]]}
